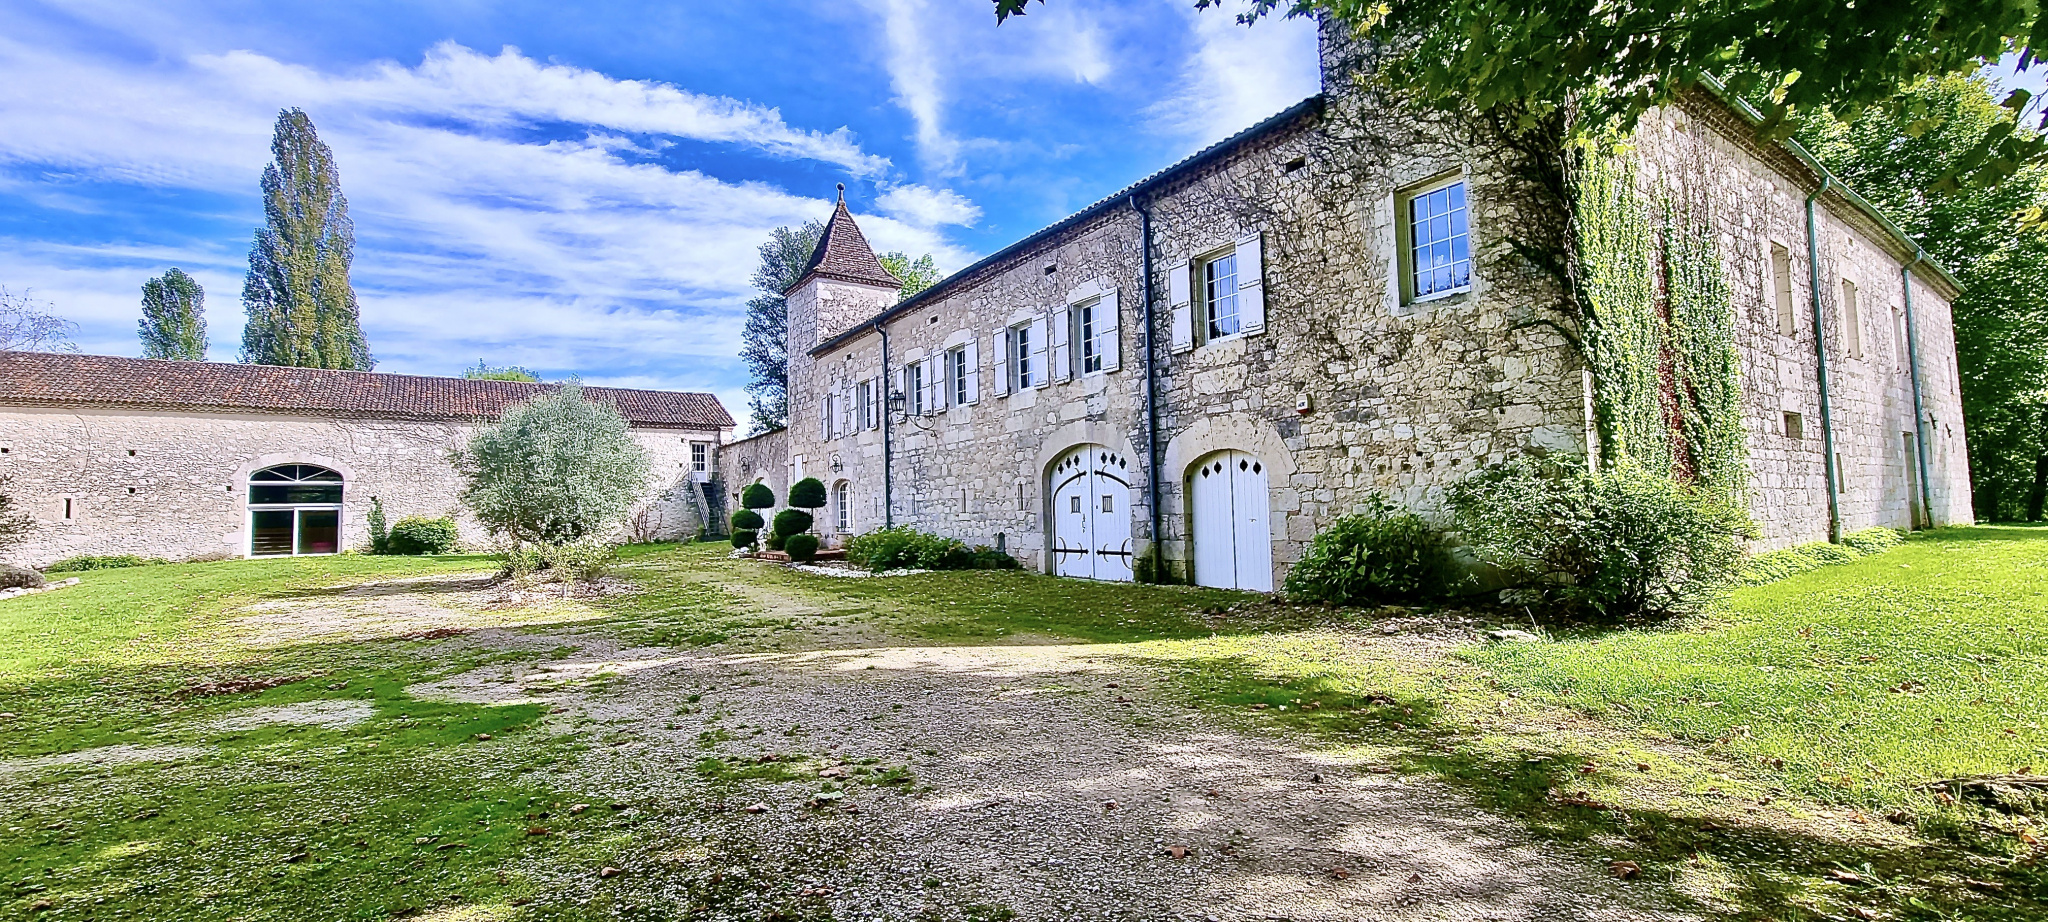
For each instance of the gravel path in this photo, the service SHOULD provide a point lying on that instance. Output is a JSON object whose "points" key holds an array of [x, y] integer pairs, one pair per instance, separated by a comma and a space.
{"points": [[1049, 781]]}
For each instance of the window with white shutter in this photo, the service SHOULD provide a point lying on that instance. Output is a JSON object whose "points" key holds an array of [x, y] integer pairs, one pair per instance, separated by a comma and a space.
{"points": [[1039, 375], [1109, 332], [1179, 287], [935, 382], [1000, 346], [973, 372], [1251, 283], [1024, 354], [1060, 344], [913, 388]]}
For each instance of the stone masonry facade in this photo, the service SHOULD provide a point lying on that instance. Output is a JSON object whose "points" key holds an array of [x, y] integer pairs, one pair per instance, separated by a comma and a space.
{"points": [[1356, 388]]}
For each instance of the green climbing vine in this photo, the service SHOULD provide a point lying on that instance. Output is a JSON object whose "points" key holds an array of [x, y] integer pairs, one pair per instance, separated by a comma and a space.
{"points": [[1660, 334]]}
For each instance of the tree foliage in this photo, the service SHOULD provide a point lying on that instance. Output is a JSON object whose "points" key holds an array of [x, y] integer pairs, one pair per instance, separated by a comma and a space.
{"points": [[26, 325], [1609, 62], [173, 324], [553, 470], [765, 339], [2001, 320], [483, 372], [808, 493], [917, 274], [302, 309], [15, 522]]}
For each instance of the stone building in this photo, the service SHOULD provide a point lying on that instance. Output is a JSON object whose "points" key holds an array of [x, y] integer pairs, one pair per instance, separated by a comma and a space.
{"points": [[200, 460], [1227, 354]]}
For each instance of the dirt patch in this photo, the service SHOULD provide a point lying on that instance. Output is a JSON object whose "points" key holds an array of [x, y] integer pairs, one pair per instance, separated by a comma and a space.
{"points": [[417, 608], [123, 754], [334, 715]]}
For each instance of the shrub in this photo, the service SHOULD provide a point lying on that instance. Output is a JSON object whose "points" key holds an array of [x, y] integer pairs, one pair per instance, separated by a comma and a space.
{"points": [[774, 541], [744, 537], [757, 496], [988, 558], [905, 548], [553, 469], [13, 577], [1776, 565], [569, 562], [415, 535], [1384, 554], [1620, 543], [801, 548], [791, 521], [380, 532], [107, 562], [808, 493], [746, 519]]}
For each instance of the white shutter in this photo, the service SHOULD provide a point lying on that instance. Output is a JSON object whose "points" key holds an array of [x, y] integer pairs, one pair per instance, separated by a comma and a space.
{"points": [[934, 384], [973, 372], [1251, 283], [903, 387], [1180, 294], [824, 419], [1061, 345], [1039, 378], [845, 408], [1108, 321], [1000, 342]]}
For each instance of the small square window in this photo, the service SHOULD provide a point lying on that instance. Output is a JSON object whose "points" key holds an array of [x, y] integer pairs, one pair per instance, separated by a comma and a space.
{"points": [[1074, 504], [1108, 503], [1795, 426]]}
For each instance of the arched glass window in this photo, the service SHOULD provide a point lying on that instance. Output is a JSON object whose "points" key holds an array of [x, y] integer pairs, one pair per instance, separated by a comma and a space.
{"points": [[294, 509], [842, 506]]}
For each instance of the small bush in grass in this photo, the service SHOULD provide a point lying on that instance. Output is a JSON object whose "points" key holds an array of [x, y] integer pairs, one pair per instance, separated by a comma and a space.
{"points": [[744, 537], [774, 541], [13, 577], [415, 535], [757, 496], [988, 558], [86, 562], [1618, 543], [569, 562], [802, 548], [747, 520], [1772, 566], [1382, 555], [380, 530], [792, 521]]}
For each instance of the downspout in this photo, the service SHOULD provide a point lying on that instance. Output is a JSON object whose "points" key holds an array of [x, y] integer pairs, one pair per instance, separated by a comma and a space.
{"points": [[888, 482], [1919, 410], [1157, 549], [1820, 352]]}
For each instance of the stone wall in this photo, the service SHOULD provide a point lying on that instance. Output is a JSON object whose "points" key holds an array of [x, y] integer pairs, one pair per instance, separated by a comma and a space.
{"points": [[762, 458], [175, 484], [1701, 157]]}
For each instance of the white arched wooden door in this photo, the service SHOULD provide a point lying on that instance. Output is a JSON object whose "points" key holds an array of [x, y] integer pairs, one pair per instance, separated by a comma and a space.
{"points": [[1233, 544], [1091, 514]]}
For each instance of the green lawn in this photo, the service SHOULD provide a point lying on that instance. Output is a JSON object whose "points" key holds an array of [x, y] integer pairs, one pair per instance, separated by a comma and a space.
{"points": [[1751, 757]]}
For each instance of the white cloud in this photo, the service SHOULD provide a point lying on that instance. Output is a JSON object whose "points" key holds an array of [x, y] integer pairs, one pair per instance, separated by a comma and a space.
{"points": [[923, 206], [1238, 75]]}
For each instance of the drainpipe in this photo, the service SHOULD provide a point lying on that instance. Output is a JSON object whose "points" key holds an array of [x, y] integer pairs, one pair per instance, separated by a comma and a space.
{"points": [[1919, 410], [888, 483], [1157, 549], [1820, 352]]}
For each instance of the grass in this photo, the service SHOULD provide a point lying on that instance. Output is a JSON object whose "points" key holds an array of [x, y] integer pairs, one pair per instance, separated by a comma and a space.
{"points": [[1770, 760]]}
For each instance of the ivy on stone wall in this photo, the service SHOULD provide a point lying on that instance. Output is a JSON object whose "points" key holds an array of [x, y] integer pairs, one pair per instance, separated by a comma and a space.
{"points": [[1659, 333]]}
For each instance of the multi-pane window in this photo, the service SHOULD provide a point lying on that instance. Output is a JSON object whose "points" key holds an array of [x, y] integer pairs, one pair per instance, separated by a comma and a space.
{"points": [[842, 502], [700, 457], [1439, 248], [1219, 294], [913, 387], [1089, 330], [956, 374], [1022, 374]]}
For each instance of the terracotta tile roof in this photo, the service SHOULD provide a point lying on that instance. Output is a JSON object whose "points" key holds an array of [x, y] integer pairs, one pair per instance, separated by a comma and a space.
{"points": [[43, 379], [843, 253]]}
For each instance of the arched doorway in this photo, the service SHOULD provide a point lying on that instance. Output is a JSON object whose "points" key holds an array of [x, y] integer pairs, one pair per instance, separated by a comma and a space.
{"points": [[294, 510], [1233, 543], [1090, 486]]}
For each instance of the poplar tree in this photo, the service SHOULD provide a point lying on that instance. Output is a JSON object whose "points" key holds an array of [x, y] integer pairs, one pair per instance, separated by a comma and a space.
{"points": [[765, 339], [173, 324], [301, 308]]}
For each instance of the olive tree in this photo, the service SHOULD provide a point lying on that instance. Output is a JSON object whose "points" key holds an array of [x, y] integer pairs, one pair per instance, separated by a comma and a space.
{"points": [[552, 470]]}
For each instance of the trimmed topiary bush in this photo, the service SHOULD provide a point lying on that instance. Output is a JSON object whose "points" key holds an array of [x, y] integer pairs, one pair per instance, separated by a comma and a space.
{"points": [[1615, 544], [415, 535], [744, 537], [1382, 555], [791, 521], [801, 548], [757, 496], [746, 519], [808, 493]]}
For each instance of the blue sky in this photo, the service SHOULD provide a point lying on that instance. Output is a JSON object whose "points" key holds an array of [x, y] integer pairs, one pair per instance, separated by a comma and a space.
{"points": [[580, 191]]}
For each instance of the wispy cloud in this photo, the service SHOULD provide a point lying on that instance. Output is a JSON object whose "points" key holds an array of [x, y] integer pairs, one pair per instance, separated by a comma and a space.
{"points": [[923, 206], [1237, 75]]}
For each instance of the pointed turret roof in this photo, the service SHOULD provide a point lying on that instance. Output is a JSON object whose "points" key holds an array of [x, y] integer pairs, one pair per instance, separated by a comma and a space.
{"points": [[843, 253]]}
